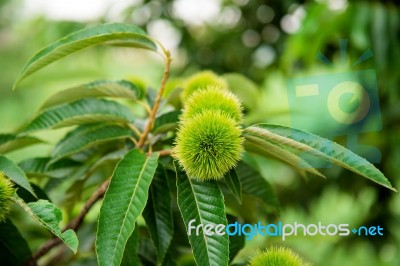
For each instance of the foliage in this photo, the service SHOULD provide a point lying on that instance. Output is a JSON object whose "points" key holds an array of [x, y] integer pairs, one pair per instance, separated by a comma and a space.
{"points": [[138, 215]]}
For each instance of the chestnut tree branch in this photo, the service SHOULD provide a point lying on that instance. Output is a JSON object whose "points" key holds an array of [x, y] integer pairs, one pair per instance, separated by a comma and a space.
{"points": [[153, 112]]}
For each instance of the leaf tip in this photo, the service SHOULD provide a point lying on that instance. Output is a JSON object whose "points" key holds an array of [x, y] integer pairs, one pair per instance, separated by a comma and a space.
{"points": [[17, 81], [388, 185], [318, 173]]}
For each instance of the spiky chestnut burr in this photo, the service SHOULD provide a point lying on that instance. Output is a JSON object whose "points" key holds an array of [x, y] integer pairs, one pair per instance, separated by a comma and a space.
{"points": [[200, 81], [6, 191], [211, 98], [208, 145], [277, 256]]}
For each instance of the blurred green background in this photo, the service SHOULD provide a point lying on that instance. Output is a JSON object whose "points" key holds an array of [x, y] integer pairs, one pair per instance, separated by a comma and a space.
{"points": [[270, 42]]}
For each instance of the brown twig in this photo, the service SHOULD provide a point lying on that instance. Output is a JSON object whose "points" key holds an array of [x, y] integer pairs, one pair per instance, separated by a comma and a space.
{"points": [[153, 112], [162, 153], [74, 224], [165, 152]]}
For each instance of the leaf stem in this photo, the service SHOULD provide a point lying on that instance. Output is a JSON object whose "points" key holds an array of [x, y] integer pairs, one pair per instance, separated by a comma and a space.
{"points": [[145, 106], [161, 153], [135, 129]]}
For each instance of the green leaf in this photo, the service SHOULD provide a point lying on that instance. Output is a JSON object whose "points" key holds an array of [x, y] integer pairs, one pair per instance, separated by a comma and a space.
{"points": [[12, 171], [86, 136], [100, 88], [112, 33], [151, 96], [11, 142], [35, 166], [111, 158], [123, 202], [49, 216], [41, 167], [13, 248], [158, 214], [169, 261], [253, 184], [81, 112], [264, 147], [146, 250], [166, 122], [236, 242], [233, 182], [130, 256], [320, 147], [27, 197], [203, 202]]}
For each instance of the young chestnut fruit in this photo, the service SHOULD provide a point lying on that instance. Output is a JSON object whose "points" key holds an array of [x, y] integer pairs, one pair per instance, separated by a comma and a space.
{"points": [[208, 144], [200, 81], [209, 140], [6, 191], [211, 98], [277, 256]]}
